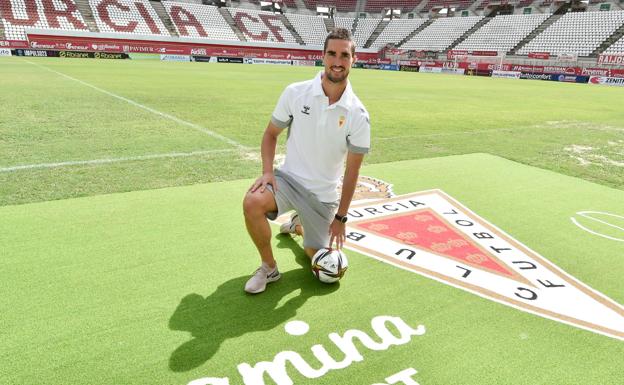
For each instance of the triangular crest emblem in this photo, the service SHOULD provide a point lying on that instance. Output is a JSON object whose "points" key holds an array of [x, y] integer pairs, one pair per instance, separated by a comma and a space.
{"points": [[433, 235]]}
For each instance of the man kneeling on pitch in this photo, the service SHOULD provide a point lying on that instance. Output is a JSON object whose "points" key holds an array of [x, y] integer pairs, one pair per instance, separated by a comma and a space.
{"points": [[325, 122]]}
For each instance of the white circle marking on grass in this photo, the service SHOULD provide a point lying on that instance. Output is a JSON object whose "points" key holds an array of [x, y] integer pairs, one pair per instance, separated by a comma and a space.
{"points": [[587, 215]]}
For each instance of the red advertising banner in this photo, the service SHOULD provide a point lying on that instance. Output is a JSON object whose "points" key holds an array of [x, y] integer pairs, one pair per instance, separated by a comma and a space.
{"points": [[611, 59], [484, 53], [13, 44], [539, 55], [453, 53], [578, 71], [461, 54], [178, 48], [614, 73]]}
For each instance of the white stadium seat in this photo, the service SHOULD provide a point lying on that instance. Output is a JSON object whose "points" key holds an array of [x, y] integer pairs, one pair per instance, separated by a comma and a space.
{"points": [[311, 28], [364, 29], [200, 21], [576, 32], [261, 26], [502, 33], [617, 47], [17, 15], [441, 33], [397, 30], [136, 17]]}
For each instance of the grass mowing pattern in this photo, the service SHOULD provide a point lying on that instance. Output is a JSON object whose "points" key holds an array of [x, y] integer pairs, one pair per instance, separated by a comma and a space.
{"points": [[54, 119]]}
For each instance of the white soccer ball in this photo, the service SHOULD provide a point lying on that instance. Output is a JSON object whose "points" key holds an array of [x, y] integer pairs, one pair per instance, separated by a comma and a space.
{"points": [[329, 265]]}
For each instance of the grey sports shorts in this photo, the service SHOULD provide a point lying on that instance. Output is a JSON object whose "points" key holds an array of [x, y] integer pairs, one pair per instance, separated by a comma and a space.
{"points": [[316, 216]]}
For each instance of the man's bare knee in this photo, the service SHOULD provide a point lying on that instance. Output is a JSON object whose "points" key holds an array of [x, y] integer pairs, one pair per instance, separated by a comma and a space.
{"points": [[257, 203]]}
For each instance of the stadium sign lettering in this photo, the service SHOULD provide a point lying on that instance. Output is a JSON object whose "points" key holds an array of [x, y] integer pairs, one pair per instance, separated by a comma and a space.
{"points": [[565, 70], [76, 47], [408, 68], [35, 44], [199, 52], [539, 55], [611, 59], [106, 47], [431, 234], [70, 54], [506, 74], [104, 55], [532, 76], [276, 369], [32, 52], [609, 81], [565, 78], [595, 72]]}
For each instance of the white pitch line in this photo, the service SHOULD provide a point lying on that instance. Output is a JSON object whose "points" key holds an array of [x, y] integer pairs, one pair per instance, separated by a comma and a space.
{"points": [[146, 108], [112, 160]]}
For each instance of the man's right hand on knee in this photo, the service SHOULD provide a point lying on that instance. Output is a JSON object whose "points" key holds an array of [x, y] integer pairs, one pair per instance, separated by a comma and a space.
{"points": [[268, 178]]}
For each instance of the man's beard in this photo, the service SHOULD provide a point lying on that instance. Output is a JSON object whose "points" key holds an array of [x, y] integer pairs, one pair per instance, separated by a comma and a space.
{"points": [[336, 79]]}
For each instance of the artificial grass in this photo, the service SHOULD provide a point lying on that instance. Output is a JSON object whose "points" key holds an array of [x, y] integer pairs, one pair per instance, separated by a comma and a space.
{"points": [[146, 288]]}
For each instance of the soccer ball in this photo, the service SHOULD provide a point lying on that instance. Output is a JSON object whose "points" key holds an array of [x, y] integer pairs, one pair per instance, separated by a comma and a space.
{"points": [[329, 265]]}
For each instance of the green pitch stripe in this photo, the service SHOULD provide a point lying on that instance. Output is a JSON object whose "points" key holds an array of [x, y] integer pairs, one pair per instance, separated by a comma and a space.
{"points": [[146, 288]]}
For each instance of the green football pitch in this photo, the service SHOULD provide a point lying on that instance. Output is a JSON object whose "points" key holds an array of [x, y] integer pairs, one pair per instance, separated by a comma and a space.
{"points": [[124, 252], [75, 128]]}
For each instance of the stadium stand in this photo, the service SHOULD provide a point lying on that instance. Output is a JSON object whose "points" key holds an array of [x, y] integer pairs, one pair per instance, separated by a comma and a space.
{"points": [[198, 2], [363, 30], [582, 33], [439, 4], [617, 47], [287, 3], [290, 3], [202, 21], [576, 32], [48, 14], [340, 5], [261, 26], [502, 33], [373, 6], [397, 30], [344, 22], [127, 16], [441, 33], [483, 5], [311, 28]]}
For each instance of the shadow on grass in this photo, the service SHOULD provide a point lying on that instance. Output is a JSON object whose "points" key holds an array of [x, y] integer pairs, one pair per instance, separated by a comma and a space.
{"points": [[229, 312]]}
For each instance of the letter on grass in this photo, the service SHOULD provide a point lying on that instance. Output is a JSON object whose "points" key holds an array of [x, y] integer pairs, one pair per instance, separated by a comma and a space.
{"points": [[210, 381], [277, 369], [404, 376]]}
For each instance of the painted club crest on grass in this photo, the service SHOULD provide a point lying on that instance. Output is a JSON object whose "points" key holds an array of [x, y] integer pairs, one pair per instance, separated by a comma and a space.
{"points": [[431, 234]]}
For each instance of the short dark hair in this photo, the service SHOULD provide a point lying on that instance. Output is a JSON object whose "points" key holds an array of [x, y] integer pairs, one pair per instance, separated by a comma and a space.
{"points": [[340, 34]]}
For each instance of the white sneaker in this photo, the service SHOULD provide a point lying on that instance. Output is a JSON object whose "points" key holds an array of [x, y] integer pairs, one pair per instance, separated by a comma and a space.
{"points": [[263, 275], [290, 226]]}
